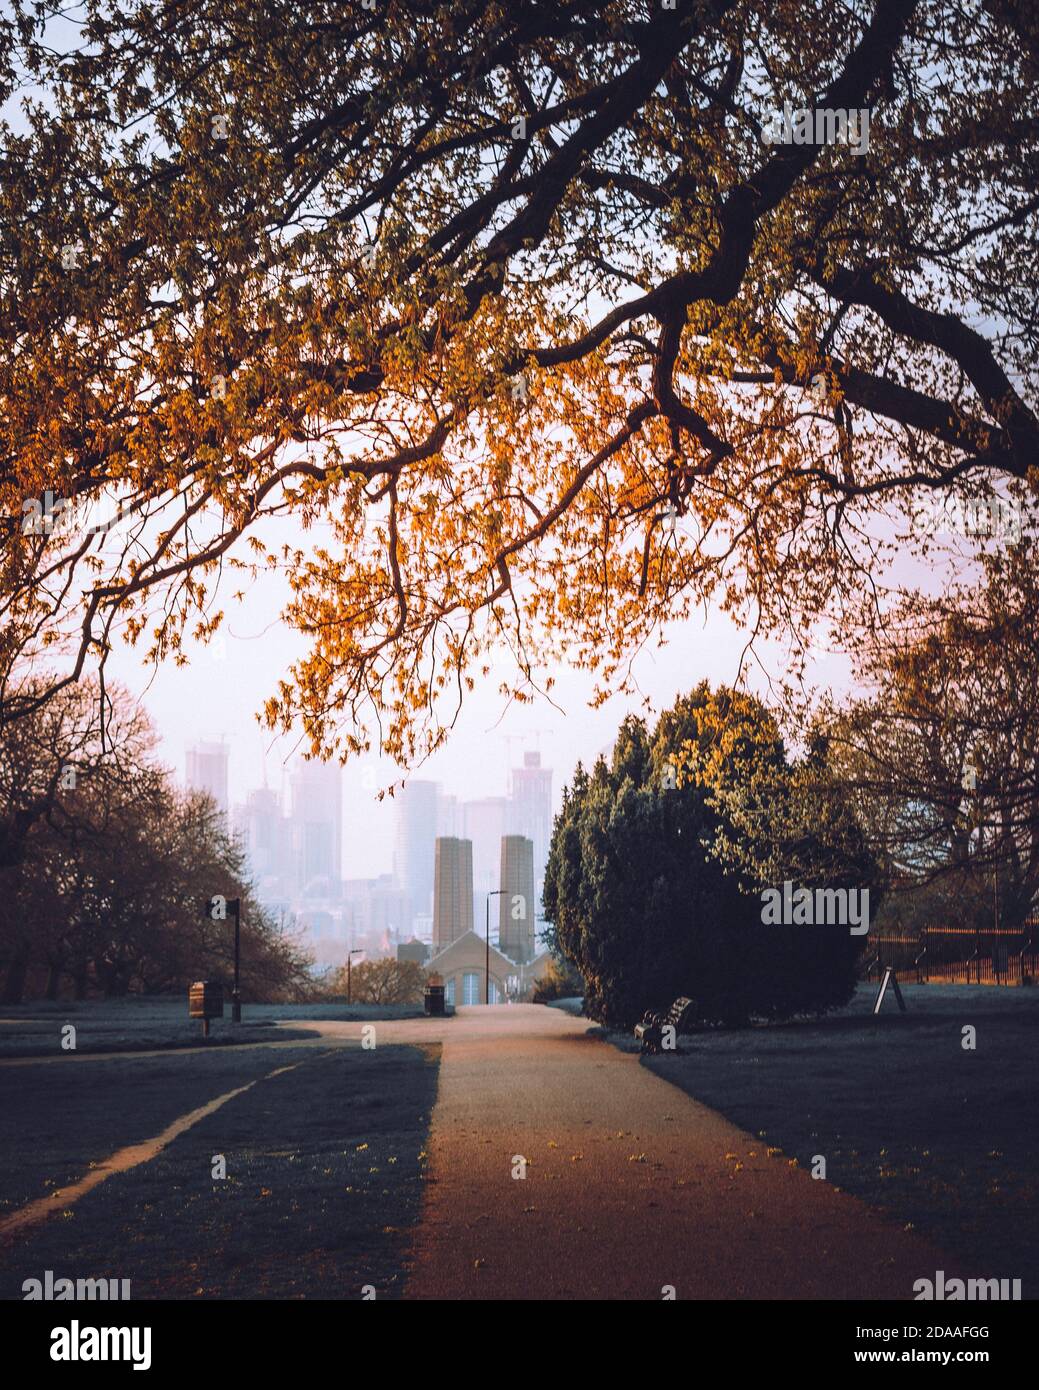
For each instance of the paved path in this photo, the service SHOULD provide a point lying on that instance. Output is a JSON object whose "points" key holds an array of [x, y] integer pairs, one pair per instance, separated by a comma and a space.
{"points": [[630, 1185]]}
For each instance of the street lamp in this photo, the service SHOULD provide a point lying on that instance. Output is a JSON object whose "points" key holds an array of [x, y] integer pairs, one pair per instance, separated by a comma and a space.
{"points": [[236, 998], [495, 893], [349, 964], [216, 909]]}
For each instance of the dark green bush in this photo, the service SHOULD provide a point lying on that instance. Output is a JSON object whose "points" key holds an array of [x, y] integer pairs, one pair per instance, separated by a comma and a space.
{"points": [[645, 911]]}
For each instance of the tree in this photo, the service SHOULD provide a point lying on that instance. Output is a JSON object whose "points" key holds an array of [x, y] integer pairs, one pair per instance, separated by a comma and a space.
{"points": [[385, 981], [779, 816], [70, 774], [942, 755], [108, 869], [558, 980], [501, 295], [645, 905]]}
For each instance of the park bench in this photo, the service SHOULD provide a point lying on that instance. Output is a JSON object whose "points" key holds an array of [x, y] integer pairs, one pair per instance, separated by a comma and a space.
{"points": [[650, 1032]]}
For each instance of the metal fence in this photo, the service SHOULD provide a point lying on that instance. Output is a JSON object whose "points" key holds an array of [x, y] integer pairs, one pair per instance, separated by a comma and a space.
{"points": [[956, 955]]}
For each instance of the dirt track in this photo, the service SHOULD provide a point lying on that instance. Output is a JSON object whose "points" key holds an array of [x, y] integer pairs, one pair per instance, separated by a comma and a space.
{"points": [[630, 1185]]}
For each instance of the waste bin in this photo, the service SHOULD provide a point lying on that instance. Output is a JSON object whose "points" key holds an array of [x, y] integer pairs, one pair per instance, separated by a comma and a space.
{"points": [[206, 1001], [435, 994]]}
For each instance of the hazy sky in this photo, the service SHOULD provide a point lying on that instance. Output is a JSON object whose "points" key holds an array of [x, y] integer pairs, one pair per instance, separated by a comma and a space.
{"points": [[218, 695]]}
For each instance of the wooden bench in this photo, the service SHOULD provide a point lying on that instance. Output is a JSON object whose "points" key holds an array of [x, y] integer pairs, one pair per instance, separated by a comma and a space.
{"points": [[650, 1032]]}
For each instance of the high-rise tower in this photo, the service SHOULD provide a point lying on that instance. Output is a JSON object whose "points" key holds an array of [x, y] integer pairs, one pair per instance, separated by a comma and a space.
{"points": [[453, 890], [206, 771], [317, 826], [516, 904], [416, 834], [530, 812]]}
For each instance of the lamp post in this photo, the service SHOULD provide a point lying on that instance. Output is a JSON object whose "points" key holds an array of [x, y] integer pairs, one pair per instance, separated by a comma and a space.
{"points": [[495, 893], [236, 998], [216, 909], [349, 965]]}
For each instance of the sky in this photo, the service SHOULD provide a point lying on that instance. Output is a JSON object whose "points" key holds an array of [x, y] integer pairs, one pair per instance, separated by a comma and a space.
{"points": [[218, 695]]}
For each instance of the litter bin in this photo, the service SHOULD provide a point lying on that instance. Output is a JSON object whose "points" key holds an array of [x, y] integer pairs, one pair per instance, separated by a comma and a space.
{"points": [[206, 1001], [435, 994]]}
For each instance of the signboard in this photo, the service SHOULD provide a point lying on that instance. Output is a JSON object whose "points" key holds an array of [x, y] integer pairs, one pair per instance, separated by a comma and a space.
{"points": [[889, 979]]}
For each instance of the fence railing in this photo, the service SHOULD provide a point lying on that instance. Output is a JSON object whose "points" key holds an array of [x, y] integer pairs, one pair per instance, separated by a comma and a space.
{"points": [[956, 955]]}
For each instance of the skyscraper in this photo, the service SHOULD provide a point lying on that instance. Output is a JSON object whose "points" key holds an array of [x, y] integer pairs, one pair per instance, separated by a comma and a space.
{"points": [[317, 827], [206, 771], [453, 890], [450, 820], [530, 812], [262, 827], [516, 904], [416, 833]]}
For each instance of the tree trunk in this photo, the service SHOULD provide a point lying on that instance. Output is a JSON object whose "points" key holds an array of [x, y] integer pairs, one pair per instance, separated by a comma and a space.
{"points": [[17, 968], [54, 974]]}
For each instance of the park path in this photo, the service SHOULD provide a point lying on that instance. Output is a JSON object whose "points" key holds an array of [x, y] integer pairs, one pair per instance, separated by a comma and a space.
{"points": [[630, 1186]]}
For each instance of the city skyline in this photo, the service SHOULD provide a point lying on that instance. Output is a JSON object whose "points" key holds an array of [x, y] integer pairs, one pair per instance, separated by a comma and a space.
{"points": [[215, 698], [293, 838]]}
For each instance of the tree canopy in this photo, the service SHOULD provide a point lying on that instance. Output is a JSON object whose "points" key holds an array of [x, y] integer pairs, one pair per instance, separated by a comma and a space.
{"points": [[940, 754], [655, 866], [105, 865], [515, 300]]}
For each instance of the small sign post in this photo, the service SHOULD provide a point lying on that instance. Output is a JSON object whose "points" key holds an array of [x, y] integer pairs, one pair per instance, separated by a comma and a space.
{"points": [[216, 909], [889, 979]]}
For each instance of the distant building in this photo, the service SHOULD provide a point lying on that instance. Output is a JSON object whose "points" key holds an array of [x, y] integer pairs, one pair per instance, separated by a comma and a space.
{"points": [[206, 771], [390, 915], [452, 890], [485, 823], [323, 930], [530, 813], [422, 927], [450, 817], [516, 903], [463, 965], [415, 837], [262, 828], [413, 950], [376, 915], [316, 828]]}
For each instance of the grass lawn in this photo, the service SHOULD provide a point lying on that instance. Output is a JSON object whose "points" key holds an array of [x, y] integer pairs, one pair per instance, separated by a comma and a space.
{"points": [[324, 1171], [136, 1023], [907, 1119]]}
